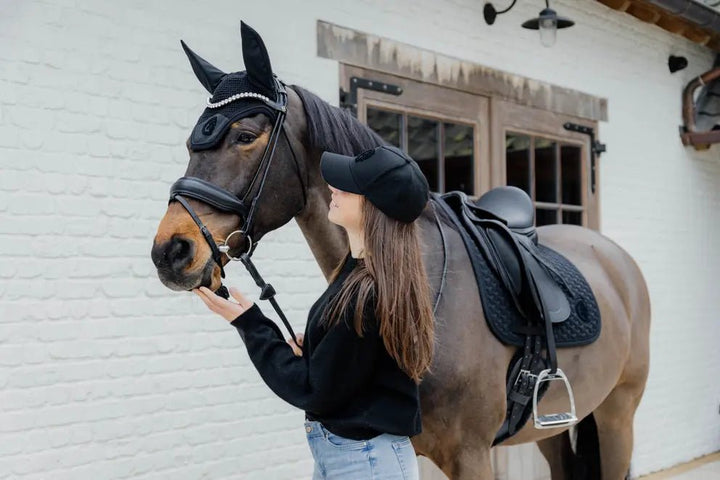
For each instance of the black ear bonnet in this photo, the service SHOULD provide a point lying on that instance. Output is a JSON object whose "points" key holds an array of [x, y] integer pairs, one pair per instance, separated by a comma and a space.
{"points": [[235, 95]]}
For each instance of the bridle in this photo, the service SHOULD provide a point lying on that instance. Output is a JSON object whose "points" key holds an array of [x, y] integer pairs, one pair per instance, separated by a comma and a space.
{"points": [[227, 201]]}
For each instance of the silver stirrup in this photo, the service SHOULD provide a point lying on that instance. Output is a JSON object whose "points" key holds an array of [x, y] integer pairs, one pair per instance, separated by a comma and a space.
{"points": [[225, 248], [553, 420]]}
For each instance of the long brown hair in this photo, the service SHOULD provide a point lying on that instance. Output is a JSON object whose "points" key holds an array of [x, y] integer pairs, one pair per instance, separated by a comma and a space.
{"points": [[393, 274]]}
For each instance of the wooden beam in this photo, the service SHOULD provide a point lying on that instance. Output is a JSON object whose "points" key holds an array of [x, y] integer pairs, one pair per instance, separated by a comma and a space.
{"points": [[697, 36], [621, 5], [644, 13], [673, 24], [650, 13], [714, 43]]}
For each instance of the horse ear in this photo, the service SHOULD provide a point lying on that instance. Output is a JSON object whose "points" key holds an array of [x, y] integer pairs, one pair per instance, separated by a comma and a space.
{"points": [[208, 75], [257, 61]]}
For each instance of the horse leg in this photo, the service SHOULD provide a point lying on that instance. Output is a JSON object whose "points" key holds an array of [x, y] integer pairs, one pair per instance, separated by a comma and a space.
{"points": [[614, 419], [471, 463], [558, 453]]}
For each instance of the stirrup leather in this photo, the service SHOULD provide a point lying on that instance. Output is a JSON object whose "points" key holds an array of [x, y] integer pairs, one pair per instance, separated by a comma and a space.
{"points": [[553, 420]]}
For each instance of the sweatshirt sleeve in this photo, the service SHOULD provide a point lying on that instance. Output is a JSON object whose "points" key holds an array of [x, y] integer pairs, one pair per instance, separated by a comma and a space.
{"points": [[340, 365]]}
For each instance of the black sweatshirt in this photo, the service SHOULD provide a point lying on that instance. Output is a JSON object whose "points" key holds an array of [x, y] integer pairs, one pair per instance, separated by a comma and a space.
{"points": [[348, 383]]}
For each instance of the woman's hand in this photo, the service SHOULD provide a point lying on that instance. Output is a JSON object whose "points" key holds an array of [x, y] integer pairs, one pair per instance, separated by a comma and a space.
{"points": [[297, 345], [225, 308]]}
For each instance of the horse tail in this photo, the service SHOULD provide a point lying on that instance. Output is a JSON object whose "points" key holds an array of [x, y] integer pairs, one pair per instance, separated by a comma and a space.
{"points": [[586, 457]]}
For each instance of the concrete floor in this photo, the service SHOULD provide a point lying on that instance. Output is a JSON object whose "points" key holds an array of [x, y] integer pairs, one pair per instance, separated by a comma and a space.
{"points": [[706, 468]]}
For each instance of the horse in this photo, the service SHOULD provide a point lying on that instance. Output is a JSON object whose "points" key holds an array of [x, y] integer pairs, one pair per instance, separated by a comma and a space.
{"points": [[463, 397]]}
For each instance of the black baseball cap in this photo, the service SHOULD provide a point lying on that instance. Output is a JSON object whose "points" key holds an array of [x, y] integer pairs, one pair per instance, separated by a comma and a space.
{"points": [[386, 176]]}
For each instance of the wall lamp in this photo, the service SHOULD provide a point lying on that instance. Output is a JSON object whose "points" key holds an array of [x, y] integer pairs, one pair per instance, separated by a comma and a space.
{"points": [[547, 22]]}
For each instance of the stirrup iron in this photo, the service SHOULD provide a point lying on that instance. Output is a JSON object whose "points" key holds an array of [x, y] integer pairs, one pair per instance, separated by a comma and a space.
{"points": [[553, 420]]}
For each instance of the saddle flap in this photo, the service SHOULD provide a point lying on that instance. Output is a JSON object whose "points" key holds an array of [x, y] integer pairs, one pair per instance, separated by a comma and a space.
{"points": [[548, 294]]}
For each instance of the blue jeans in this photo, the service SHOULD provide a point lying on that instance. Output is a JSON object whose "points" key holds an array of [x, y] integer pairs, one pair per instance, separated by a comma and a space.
{"points": [[385, 457]]}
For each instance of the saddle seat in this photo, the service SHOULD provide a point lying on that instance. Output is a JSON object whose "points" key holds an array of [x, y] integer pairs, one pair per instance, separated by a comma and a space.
{"points": [[512, 205]]}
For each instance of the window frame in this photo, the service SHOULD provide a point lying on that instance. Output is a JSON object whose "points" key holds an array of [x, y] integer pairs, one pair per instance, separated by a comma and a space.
{"points": [[434, 102], [509, 117], [492, 118]]}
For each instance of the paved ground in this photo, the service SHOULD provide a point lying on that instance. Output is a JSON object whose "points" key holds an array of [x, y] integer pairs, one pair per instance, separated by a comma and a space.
{"points": [[705, 472], [707, 468]]}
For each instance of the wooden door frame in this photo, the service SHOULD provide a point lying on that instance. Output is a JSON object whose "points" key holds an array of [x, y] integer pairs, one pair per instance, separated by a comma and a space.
{"points": [[431, 101], [508, 116]]}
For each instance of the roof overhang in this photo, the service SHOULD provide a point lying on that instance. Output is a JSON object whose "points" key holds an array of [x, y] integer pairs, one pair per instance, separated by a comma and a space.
{"points": [[691, 19]]}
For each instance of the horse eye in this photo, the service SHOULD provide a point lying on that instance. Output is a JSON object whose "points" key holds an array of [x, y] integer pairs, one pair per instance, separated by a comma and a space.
{"points": [[246, 138]]}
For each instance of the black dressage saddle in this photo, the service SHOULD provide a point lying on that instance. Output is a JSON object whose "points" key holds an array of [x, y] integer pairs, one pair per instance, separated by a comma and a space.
{"points": [[532, 296], [514, 257]]}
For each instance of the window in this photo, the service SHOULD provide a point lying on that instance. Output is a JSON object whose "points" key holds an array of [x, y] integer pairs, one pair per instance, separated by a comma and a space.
{"points": [[444, 150], [459, 145], [550, 172], [551, 164], [446, 131]]}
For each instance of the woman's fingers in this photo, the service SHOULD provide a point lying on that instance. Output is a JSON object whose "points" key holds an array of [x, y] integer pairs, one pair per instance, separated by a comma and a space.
{"points": [[296, 349], [241, 299], [204, 298], [300, 337], [225, 308]]}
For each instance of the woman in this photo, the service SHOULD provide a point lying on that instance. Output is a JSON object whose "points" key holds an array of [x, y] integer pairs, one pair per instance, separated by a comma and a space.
{"points": [[369, 337]]}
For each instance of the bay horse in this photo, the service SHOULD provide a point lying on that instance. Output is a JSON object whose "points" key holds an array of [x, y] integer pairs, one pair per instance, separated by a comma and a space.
{"points": [[463, 398]]}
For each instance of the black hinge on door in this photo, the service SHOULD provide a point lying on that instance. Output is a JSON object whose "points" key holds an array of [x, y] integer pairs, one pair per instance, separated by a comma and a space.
{"points": [[596, 148], [348, 100]]}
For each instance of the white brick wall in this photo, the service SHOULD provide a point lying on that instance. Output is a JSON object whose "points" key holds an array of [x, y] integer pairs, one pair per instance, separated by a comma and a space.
{"points": [[105, 374]]}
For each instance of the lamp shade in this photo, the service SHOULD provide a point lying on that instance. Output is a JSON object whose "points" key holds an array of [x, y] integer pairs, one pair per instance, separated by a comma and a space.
{"points": [[546, 15]]}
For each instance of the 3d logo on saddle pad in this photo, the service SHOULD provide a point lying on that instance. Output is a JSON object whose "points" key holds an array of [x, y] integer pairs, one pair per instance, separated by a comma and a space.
{"points": [[233, 95]]}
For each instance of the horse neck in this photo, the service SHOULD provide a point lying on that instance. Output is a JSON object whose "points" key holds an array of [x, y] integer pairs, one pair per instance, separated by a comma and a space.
{"points": [[328, 242]]}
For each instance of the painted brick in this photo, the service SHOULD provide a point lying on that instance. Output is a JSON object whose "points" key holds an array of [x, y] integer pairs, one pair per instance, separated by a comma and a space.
{"points": [[104, 373]]}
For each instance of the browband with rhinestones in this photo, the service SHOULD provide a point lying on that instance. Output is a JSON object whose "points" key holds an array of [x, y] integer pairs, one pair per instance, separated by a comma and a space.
{"points": [[238, 96]]}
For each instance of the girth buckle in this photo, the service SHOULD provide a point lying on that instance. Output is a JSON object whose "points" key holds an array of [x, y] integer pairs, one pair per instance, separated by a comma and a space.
{"points": [[523, 375], [554, 420]]}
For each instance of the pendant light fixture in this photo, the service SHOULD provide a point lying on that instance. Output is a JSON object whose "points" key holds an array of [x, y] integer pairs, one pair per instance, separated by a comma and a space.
{"points": [[547, 22]]}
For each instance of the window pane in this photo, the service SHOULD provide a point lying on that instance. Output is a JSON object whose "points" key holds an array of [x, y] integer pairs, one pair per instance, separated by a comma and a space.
{"points": [[517, 155], [386, 124], [545, 174], [571, 180], [423, 147], [459, 158], [574, 218], [544, 216]]}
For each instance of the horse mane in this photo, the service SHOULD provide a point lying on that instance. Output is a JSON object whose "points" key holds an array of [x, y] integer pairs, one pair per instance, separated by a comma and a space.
{"points": [[333, 129]]}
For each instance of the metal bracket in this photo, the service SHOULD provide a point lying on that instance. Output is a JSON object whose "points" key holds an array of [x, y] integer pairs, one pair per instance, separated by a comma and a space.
{"points": [[596, 148], [348, 100]]}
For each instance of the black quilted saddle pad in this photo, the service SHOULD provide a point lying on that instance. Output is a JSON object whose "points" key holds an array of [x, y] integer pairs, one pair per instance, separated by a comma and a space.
{"points": [[581, 328]]}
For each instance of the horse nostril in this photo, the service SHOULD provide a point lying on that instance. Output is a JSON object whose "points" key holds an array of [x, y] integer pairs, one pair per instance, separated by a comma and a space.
{"points": [[175, 254], [179, 253]]}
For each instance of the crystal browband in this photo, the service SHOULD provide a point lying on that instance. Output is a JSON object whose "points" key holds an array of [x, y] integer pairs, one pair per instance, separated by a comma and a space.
{"points": [[238, 96]]}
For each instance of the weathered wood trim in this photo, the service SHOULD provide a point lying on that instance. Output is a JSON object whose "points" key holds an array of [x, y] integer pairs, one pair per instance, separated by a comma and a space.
{"points": [[389, 56]]}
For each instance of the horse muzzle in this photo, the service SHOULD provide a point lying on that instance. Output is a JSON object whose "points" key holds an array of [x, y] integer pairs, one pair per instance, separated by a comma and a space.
{"points": [[175, 260]]}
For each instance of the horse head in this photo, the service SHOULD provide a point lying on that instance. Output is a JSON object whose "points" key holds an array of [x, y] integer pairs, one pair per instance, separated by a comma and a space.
{"points": [[251, 121]]}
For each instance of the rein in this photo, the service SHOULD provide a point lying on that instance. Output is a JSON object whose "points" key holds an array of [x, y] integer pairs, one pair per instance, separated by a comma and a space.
{"points": [[445, 257]]}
